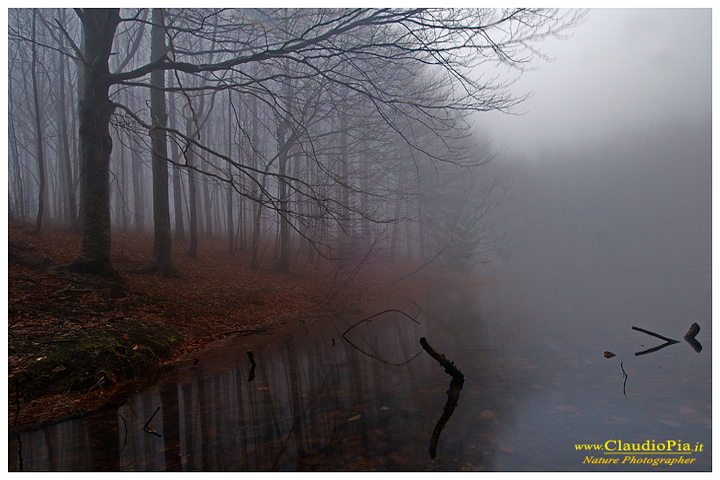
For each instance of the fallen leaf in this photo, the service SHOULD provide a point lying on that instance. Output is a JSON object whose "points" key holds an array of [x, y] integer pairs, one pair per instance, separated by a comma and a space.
{"points": [[487, 414], [384, 408], [609, 354], [355, 417]]}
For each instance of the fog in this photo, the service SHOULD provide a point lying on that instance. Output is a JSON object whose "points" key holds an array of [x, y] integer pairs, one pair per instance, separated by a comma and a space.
{"points": [[592, 134], [610, 160]]}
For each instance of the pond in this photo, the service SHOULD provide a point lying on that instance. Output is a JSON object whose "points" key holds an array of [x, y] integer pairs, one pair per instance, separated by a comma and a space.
{"points": [[343, 394]]}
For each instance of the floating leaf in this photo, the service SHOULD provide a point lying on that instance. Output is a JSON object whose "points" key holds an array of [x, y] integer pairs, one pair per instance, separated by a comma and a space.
{"points": [[384, 408], [355, 417], [609, 354], [487, 414]]}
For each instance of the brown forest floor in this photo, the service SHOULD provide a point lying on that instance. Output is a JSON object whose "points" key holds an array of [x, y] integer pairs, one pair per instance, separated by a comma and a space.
{"points": [[52, 313]]}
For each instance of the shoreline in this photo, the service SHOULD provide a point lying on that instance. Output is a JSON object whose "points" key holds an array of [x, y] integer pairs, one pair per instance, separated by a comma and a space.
{"points": [[78, 344]]}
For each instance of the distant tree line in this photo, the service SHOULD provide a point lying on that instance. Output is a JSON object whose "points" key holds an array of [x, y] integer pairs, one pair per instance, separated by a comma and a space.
{"points": [[320, 133]]}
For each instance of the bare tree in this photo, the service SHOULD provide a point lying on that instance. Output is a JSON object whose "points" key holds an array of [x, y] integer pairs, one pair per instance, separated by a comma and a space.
{"points": [[364, 54], [40, 153], [161, 260]]}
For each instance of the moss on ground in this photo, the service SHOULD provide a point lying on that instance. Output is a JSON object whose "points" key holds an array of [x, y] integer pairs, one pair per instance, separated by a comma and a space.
{"points": [[101, 357]]}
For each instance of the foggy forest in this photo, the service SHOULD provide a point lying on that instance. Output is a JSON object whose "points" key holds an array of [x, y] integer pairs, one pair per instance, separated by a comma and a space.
{"points": [[328, 192], [336, 134]]}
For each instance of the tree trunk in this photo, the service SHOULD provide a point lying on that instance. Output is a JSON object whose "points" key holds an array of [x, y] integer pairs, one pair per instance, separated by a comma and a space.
{"points": [[78, 228], [161, 260], [18, 190], [138, 194], [229, 190], [207, 203], [283, 264], [122, 188], [256, 207], [192, 192], [70, 211], [38, 134], [95, 110], [176, 178], [344, 232], [257, 211]]}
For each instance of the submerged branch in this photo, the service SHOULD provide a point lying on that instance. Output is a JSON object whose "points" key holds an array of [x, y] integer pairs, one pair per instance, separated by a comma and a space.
{"points": [[367, 319]]}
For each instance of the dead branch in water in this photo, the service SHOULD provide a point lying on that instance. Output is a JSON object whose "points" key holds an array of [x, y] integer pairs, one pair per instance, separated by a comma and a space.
{"points": [[453, 393], [449, 366], [692, 332], [147, 429], [657, 335]]}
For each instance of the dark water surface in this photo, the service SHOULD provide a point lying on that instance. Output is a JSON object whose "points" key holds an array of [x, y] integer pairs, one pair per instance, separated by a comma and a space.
{"points": [[536, 384]]}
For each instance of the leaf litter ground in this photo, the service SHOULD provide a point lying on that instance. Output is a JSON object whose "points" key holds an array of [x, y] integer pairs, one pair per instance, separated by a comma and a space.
{"points": [[78, 343]]}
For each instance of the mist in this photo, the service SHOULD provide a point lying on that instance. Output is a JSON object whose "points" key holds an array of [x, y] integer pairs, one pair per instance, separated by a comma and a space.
{"points": [[610, 160], [325, 193]]}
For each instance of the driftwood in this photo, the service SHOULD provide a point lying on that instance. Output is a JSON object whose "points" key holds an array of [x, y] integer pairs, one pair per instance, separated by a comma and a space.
{"points": [[449, 366], [657, 335], [692, 333], [689, 337], [655, 349]]}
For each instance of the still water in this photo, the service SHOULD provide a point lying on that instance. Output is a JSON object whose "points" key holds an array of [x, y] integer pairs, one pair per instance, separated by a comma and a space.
{"points": [[344, 394]]}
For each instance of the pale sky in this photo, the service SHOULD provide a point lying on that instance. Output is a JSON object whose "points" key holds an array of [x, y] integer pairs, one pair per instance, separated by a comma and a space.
{"points": [[622, 68]]}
